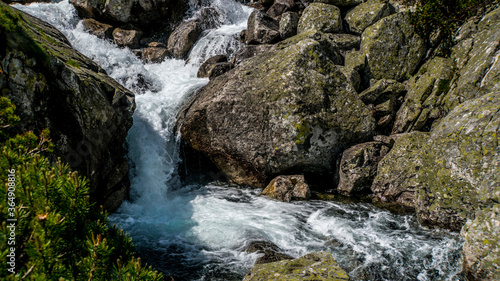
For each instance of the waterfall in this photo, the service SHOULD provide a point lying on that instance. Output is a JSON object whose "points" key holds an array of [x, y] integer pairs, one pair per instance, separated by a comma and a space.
{"points": [[198, 232]]}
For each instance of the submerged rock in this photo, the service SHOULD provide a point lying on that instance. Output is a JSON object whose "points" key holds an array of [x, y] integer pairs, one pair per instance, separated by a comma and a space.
{"points": [[288, 109], [54, 86], [270, 252], [313, 266], [288, 188]]}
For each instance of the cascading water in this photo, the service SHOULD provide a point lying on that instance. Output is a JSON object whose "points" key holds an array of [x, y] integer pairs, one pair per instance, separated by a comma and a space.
{"points": [[198, 232]]}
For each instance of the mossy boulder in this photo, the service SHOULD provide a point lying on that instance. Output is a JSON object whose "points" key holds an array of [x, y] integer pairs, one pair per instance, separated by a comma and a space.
{"points": [[262, 29], [313, 266], [449, 173], [392, 49], [366, 14], [288, 24], [481, 251], [422, 105], [53, 86], [321, 17], [478, 67], [287, 110], [341, 3]]}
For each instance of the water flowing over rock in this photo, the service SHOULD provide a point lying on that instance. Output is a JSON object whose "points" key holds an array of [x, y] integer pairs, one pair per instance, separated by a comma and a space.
{"points": [[287, 109], [271, 252], [392, 49], [98, 29], [313, 266], [56, 87], [321, 17], [127, 37], [155, 53], [183, 38], [288, 188], [142, 13]]}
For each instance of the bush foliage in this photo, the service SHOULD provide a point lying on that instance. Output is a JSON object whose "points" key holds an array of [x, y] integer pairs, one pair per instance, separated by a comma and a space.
{"points": [[445, 15], [60, 235]]}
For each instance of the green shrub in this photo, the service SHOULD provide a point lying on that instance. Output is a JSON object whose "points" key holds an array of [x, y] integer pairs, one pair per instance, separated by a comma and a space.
{"points": [[59, 234], [445, 15]]}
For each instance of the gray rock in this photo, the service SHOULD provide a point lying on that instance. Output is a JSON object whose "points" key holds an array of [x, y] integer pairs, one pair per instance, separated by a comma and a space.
{"points": [[290, 108], [262, 29], [270, 252], [205, 68], [288, 188], [127, 38], [426, 89], [346, 41], [355, 60], [101, 30], [482, 245], [210, 18], [358, 167], [381, 91], [219, 68], [288, 24], [341, 3], [276, 10], [155, 53], [183, 38], [352, 75], [366, 14], [392, 49], [87, 112], [320, 17], [321, 265], [249, 51]]}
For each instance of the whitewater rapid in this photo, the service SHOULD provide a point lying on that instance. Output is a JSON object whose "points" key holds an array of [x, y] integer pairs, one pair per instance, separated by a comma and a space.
{"points": [[198, 232]]}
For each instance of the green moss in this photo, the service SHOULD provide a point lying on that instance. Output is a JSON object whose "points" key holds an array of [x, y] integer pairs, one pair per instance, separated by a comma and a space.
{"points": [[73, 63], [303, 132]]}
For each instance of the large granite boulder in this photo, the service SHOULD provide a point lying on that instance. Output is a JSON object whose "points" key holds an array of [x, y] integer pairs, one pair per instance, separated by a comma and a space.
{"points": [[482, 245], [288, 109], [392, 49], [450, 173], [366, 14], [183, 38], [321, 17], [144, 14], [53, 86], [288, 24], [262, 29], [425, 91], [313, 266], [476, 59]]}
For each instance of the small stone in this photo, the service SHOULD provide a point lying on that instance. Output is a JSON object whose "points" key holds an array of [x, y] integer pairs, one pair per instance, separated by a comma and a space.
{"points": [[127, 38], [287, 188], [101, 30]]}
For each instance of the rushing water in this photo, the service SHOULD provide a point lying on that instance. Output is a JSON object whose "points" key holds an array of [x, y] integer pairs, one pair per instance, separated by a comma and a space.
{"points": [[199, 232]]}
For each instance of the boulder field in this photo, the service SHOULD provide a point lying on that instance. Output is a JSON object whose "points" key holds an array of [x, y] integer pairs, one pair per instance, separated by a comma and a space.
{"points": [[352, 94]]}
